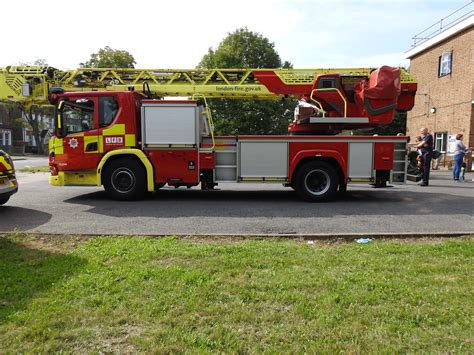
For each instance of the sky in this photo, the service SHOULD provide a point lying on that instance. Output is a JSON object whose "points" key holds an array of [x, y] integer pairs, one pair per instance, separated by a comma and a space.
{"points": [[176, 34]]}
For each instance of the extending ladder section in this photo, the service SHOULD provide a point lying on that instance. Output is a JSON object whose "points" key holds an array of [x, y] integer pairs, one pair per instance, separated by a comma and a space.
{"points": [[32, 83]]}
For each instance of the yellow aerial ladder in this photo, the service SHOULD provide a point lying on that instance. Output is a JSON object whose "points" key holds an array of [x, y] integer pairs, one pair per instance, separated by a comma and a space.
{"points": [[32, 84]]}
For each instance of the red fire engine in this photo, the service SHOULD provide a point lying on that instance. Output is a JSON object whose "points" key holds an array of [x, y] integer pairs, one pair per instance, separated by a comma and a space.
{"points": [[133, 144]]}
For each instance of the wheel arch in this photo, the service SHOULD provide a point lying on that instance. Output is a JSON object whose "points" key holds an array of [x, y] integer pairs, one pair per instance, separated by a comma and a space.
{"points": [[332, 157], [132, 153]]}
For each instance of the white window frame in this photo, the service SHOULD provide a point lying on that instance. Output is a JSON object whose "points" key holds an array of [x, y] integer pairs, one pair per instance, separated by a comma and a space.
{"points": [[441, 141], [445, 64], [7, 138]]}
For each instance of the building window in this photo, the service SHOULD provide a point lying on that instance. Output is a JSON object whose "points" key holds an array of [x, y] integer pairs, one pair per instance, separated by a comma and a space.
{"points": [[5, 137], [441, 139], [445, 65]]}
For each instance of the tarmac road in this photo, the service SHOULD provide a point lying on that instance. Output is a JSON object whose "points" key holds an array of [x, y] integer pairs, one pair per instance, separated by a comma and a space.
{"points": [[253, 209]]}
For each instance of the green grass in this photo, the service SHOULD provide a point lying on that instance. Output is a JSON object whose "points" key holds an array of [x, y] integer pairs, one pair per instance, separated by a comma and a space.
{"points": [[36, 169], [127, 294]]}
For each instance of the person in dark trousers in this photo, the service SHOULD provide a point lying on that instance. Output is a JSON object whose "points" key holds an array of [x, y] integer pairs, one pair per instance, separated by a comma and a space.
{"points": [[426, 148]]}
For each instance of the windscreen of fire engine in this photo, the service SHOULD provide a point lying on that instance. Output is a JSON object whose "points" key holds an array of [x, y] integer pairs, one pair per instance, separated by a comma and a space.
{"points": [[77, 116]]}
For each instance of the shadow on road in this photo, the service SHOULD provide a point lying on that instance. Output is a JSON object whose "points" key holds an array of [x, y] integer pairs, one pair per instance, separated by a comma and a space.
{"points": [[168, 203], [12, 217]]}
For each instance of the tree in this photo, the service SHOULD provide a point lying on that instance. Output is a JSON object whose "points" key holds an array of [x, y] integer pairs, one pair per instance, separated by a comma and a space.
{"points": [[11, 116], [110, 58], [246, 49], [242, 49], [40, 62], [37, 117], [398, 125]]}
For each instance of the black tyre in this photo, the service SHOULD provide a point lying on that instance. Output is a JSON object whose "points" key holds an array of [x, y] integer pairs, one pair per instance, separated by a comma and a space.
{"points": [[342, 188], [159, 185], [4, 200], [316, 181], [124, 179]]}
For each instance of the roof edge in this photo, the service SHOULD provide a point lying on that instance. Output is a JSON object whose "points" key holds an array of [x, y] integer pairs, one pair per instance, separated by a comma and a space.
{"points": [[465, 24]]}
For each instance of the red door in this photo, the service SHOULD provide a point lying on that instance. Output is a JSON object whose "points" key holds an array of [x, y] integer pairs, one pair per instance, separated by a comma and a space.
{"points": [[79, 129]]}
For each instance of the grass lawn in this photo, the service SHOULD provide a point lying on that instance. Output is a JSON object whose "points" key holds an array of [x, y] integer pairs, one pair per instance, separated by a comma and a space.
{"points": [[127, 294]]}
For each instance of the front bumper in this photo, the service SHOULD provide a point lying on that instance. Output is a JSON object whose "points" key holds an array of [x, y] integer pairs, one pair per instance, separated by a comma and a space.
{"points": [[8, 186], [57, 180], [73, 179]]}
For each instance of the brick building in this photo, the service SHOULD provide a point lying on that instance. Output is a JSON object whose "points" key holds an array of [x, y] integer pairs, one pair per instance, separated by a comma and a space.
{"points": [[442, 61]]}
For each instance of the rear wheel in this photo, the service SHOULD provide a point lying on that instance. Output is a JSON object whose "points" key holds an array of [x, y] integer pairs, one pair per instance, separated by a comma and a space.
{"points": [[316, 181], [342, 188], [125, 179]]}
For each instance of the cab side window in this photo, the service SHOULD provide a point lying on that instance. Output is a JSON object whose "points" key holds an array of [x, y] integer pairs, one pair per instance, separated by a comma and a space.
{"points": [[108, 108], [77, 116]]}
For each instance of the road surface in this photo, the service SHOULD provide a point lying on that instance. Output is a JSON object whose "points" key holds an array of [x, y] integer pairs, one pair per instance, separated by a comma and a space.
{"points": [[250, 209]]}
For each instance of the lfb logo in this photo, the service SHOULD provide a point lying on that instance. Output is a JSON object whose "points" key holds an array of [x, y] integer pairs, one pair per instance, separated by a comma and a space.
{"points": [[113, 140], [73, 143]]}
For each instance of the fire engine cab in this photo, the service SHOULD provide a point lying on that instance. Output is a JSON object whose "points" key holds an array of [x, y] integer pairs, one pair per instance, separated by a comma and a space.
{"points": [[132, 144]]}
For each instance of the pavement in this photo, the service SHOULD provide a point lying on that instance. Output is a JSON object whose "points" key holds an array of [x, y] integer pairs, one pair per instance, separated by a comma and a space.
{"points": [[444, 207], [29, 161]]}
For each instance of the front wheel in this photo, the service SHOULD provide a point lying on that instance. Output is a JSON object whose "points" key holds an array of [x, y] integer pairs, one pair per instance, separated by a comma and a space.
{"points": [[125, 179], [4, 200], [316, 181], [159, 185]]}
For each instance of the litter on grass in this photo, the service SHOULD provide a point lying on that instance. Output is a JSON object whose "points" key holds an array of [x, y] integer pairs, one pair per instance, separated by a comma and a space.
{"points": [[363, 240]]}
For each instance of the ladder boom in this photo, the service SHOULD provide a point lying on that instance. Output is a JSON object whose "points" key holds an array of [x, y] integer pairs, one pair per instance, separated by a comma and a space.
{"points": [[33, 83]]}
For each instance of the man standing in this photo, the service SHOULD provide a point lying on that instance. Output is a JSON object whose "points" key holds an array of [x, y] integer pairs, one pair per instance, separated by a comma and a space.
{"points": [[426, 148]]}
